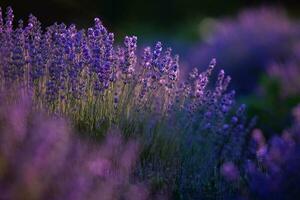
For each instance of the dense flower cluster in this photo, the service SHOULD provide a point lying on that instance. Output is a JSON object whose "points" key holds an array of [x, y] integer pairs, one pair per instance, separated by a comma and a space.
{"points": [[206, 132], [68, 70], [186, 128]]}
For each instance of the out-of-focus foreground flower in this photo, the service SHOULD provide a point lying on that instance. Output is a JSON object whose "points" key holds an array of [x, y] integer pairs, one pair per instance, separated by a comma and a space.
{"points": [[41, 158]]}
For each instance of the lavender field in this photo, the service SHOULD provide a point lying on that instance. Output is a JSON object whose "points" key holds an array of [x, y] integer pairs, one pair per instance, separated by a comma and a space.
{"points": [[85, 115]]}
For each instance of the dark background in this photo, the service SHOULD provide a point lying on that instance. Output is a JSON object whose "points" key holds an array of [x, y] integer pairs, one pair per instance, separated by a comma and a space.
{"points": [[146, 19]]}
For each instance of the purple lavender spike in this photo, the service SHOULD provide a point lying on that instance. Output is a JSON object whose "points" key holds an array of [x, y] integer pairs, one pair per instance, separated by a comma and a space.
{"points": [[128, 67], [9, 19], [1, 21]]}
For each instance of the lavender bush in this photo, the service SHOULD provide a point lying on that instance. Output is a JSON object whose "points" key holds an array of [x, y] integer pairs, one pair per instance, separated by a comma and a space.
{"points": [[186, 129], [81, 74]]}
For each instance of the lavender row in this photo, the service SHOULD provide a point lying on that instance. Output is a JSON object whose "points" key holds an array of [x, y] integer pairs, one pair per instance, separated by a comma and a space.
{"points": [[186, 128]]}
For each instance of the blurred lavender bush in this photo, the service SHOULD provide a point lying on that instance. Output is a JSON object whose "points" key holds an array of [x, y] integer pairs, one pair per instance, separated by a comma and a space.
{"points": [[274, 172], [186, 129], [287, 73], [246, 45], [41, 158], [278, 93]]}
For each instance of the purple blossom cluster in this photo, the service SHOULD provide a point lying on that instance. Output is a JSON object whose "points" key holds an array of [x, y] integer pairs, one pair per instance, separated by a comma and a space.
{"points": [[209, 128], [67, 70], [63, 64]]}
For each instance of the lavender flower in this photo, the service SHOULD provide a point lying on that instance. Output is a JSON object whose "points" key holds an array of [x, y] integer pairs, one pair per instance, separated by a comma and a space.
{"points": [[130, 59], [1, 21], [18, 56], [9, 19], [230, 171]]}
